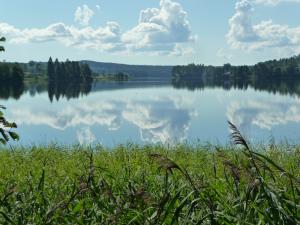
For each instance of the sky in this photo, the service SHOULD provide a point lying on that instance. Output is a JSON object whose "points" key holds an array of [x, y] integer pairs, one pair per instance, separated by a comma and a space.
{"points": [[156, 32]]}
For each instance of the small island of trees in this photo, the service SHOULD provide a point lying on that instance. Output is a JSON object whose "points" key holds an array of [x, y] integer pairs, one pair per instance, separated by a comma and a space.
{"points": [[69, 70], [70, 79]]}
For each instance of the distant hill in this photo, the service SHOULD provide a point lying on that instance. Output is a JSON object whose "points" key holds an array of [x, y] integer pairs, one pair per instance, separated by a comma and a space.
{"points": [[143, 72]]}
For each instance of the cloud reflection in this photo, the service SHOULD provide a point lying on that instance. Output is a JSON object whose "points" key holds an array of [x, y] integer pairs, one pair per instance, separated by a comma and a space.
{"points": [[264, 114], [88, 114], [158, 119], [85, 136]]}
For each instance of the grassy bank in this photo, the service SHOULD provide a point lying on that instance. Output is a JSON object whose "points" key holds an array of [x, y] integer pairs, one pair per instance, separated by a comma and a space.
{"points": [[149, 185]]}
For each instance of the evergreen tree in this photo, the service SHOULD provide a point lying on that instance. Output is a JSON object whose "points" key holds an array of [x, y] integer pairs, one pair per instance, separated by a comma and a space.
{"points": [[77, 71], [50, 70], [63, 72], [68, 69], [86, 72], [71, 71], [57, 74]]}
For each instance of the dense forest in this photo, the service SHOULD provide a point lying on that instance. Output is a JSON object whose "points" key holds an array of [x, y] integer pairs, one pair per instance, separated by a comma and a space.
{"points": [[275, 76]]}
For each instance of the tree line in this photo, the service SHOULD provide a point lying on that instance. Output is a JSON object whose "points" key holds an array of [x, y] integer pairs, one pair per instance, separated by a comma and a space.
{"points": [[275, 76], [68, 70]]}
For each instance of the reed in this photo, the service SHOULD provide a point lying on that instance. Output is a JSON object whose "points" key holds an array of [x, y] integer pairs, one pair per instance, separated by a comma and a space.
{"points": [[151, 184]]}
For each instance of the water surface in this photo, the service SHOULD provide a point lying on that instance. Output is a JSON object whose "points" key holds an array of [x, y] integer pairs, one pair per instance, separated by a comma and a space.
{"points": [[111, 113]]}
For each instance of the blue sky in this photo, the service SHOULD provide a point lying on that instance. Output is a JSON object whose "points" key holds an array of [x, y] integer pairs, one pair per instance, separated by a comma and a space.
{"points": [[151, 31]]}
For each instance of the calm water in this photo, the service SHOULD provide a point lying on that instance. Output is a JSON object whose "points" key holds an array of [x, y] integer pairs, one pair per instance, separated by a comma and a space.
{"points": [[150, 113]]}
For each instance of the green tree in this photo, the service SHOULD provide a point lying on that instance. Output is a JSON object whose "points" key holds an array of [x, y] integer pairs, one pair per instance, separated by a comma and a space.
{"points": [[17, 74], [57, 69], [86, 72], [50, 69], [38, 68]]}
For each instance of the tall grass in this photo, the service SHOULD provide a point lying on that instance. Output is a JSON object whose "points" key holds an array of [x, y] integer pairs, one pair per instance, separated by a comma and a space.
{"points": [[151, 184]]}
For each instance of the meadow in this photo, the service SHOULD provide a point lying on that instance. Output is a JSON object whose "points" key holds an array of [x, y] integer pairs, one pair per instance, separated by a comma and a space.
{"points": [[150, 184]]}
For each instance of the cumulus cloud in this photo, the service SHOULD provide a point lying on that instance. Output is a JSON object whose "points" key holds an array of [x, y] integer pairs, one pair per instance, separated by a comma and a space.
{"points": [[107, 38], [244, 35], [275, 2], [164, 30], [83, 14], [160, 29], [241, 28]]}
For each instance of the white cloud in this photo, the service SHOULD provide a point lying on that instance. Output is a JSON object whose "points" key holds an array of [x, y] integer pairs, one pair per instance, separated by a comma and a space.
{"points": [[275, 2], [83, 14], [160, 29], [241, 29], [105, 38], [180, 50], [163, 30], [243, 35]]}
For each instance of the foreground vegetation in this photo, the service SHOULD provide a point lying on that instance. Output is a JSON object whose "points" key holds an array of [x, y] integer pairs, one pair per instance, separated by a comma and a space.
{"points": [[149, 185]]}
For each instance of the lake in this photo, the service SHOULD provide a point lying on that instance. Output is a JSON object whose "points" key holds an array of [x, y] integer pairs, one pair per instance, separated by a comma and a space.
{"points": [[111, 113]]}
